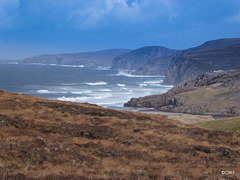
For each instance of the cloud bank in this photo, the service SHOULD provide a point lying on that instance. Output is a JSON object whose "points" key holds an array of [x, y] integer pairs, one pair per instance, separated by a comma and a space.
{"points": [[100, 13], [87, 14]]}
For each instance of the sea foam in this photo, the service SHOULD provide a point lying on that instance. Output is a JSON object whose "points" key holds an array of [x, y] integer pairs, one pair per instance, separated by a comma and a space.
{"points": [[100, 83], [44, 91], [121, 85]]}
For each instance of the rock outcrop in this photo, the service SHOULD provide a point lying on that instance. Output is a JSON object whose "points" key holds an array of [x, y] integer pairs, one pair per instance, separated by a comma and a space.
{"points": [[92, 59], [137, 58], [46, 139], [213, 93]]}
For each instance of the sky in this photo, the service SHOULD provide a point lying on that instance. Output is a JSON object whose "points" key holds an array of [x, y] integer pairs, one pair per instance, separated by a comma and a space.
{"points": [[34, 27]]}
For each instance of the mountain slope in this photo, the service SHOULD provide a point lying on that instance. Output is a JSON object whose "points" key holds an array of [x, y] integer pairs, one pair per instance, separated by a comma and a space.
{"points": [[213, 44], [136, 58], [61, 140], [182, 62], [155, 60], [216, 93], [190, 65], [158, 66], [98, 58]]}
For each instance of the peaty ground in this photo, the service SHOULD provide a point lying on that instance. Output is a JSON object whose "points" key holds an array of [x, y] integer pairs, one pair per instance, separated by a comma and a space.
{"points": [[48, 139]]}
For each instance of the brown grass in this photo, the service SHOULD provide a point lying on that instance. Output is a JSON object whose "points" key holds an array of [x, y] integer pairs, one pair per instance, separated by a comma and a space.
{"points": [[61, 140]]}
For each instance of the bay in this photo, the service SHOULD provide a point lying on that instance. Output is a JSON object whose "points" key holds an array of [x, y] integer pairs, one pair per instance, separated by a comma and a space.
{"points": [[102, 86]]}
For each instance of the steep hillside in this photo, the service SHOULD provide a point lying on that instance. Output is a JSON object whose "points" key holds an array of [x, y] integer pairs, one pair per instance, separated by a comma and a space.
{"points": [[148, 60], [216, 93], [221, 58], [61, 140], [99, 58], [158, 66], [136, 58], [213, 44]]}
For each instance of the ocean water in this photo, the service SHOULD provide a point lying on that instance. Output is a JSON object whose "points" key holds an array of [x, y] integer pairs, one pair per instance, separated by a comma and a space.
{"points": [[101, 86]]}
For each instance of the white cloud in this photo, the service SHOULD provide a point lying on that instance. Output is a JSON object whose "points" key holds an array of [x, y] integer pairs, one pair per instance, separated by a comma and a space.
{"points": [[8, 11], [88, 14], [98, 13]]}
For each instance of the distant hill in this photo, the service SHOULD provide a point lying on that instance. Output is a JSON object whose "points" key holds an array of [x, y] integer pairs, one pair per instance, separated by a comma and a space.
{"points": [[214, 93], [54, 140], [137, 58], [158, 60], [93, 59], [184, 66], [213, 44], [190, 65], [158, 66]]}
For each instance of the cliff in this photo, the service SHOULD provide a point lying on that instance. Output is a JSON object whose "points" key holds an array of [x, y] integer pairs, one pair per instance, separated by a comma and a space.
{"points": [[215, 93], [158, 66], [156, 60], [221, 54], [93, 59], [221, 58], [48, 139], [136, 58]]}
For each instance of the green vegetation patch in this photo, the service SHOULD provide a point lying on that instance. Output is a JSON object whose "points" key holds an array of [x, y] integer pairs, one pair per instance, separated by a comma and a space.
{"points": [[228, 124], [200, 95]]}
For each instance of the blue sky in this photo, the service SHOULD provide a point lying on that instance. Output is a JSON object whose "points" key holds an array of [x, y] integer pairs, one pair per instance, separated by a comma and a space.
{"points": [[33, 27]]}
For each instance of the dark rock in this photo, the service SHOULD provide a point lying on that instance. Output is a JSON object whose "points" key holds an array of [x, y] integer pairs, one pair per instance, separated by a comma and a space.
{"points": [[221, 87]]}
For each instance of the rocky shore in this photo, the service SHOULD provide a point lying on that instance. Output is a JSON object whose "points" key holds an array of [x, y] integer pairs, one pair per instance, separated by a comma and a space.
{"points": [[213, 93]]}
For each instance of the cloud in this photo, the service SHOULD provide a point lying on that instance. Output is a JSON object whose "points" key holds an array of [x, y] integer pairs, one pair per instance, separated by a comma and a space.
{"points": [[99, 13], [84, 14], [8, 11]]}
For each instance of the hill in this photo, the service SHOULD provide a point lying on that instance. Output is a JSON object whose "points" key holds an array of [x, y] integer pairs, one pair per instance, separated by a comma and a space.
{"points": [[138, 57], [222, 54], [49, 139], [213, 93], [213, 44], [157, 60], [158, 66], [92, 59]]}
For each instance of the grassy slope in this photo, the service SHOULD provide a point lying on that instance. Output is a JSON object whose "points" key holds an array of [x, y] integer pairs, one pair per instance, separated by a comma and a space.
{"points": [[228, 124], [212, 101], [60, 140]]}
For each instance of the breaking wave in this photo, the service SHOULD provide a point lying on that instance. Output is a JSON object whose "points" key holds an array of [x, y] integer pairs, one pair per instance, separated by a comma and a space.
{"points": [[121, 85], [100, 83]]}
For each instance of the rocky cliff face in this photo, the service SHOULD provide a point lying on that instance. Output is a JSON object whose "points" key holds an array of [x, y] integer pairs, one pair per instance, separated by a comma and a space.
{"points": [[136, 58], [193, 64], [93, 59], [158, 66], [157, 60], [215, 93], [45, 139]]}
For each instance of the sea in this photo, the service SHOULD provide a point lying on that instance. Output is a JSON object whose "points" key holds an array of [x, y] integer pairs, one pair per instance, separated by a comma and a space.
{"points": [[101, 85]]}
